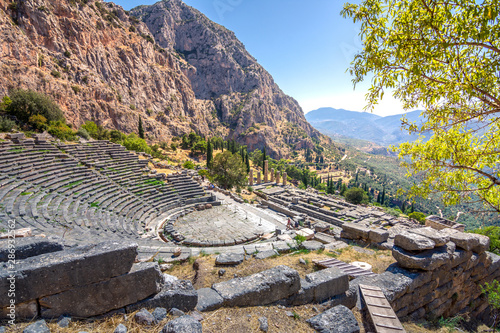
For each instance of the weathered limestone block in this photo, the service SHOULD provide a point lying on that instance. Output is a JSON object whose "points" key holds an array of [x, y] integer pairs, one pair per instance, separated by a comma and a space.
{"points": [[305, 294], [347, 299], [183, 324], [418, 278], [338, 319], [356, 230], [39, 326], [143, 280], [437, 236], [479, 272], [417, 314], [281, 246], [229, 259], [472, 262], [208, 300], [459, 257], [443, 274], [29, 247], [378, 235], [427, 260], [312, 245], [27, 311], [261, 288], [443, 289], [328, 283], [484, 244], [402, 312], [347, 235], [403, 301], [51, 273], [393, 285], [266, 254], [413, 242], [467, 241], [175, 293], [457, 275], [438, 312], [494, 267]]}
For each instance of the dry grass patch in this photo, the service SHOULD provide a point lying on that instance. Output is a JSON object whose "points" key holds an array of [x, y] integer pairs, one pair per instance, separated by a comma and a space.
{"points": [[379, 259], [207, 273], [107, 324], [203, 272], [165, 171], [243, 320]]}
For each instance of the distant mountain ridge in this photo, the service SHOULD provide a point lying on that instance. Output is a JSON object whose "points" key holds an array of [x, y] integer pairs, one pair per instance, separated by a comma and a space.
{"points": [[166, 64], [384, 131]]}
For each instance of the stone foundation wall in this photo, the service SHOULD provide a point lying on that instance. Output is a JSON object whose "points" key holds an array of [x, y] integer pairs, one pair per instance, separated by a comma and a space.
{"points": [[279, 208], [438, 273]]}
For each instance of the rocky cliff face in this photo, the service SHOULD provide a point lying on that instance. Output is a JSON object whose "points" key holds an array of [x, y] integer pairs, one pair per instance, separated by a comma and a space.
{"points": [[167, 63]]}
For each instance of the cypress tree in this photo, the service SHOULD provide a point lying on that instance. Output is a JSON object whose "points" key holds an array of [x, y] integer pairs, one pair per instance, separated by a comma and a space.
{"points": [[209, 154], [247, 162], [382, 199], [343, 189], [264, 158], [141, 130]]}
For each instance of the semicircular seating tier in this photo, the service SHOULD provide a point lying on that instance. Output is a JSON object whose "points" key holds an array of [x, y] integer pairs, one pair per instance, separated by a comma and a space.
{"points": [[93, 191]]}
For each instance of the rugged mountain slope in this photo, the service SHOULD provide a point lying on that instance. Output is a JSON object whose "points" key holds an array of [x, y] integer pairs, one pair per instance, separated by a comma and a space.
{"points": [[88, 57], [362, 125], [220, 69], [100, 63]]}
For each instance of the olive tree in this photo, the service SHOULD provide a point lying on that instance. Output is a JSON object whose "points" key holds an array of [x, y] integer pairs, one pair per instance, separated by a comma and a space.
{"points": [[228, 170], [442, 57]]}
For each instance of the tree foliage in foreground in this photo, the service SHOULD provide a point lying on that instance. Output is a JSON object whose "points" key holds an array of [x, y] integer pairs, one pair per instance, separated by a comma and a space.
{"points": [[444, 58], [228, 170]]}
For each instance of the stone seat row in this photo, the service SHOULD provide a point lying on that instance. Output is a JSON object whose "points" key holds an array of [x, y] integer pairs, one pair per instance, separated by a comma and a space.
{"points": [[62, 196]]}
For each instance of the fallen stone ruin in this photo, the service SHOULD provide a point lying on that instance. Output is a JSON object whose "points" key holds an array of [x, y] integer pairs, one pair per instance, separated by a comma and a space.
{"points": [[86, 281], [438, 273]]}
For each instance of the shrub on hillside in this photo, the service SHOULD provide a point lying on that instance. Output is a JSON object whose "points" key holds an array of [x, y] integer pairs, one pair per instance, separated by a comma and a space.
{"points": [[188, 165], [420, 217], [135, 143], [38, 122], [82, 132], [61, 131], [356, 196], [116, 136], [6, 124], [90, 127], [26, 103], [96, 131]]}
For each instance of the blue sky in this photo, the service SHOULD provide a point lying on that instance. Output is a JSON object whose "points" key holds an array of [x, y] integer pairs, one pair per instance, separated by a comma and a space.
{"points": [[306, 46]]}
